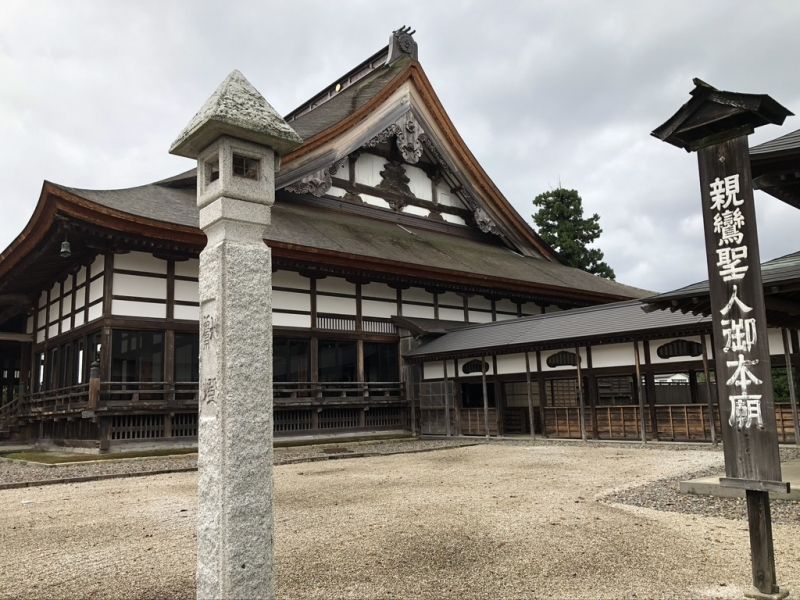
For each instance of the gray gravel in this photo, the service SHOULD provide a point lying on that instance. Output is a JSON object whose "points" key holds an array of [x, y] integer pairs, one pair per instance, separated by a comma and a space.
{"points": [[492, 521], [13, 471]]}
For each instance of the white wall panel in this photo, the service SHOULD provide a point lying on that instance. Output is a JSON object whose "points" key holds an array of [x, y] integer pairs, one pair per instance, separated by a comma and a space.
{"points": [[187, 291], [291, 300], [416, 310], [337, 285], [477, 316], [420, 184], [613, 355], [42, 300], [416, 294], [418, 211], [97, 265], [776, 342], [480, 303], [290, 279], [446, 198], [336, 192], [451, 314], [128, 308], [454, 219], [513, 363], [29, 325], [139, 286], [374, 201], [187, 313], [531, 308], [52, 312], [434, 370], [79, 318], [290, 320], [81, 276], [140, 261], [66, 325], [187, 268], [55, 292], [368, 169], [463, 361], [334, 304], [67, 284], [40, 336], [95, 290], [95, 312], [80, 298], [42, 317], [376, 308], [66, 304], [52, 331], [504, 317], [451, 299], [506, 305], [378, 290]]}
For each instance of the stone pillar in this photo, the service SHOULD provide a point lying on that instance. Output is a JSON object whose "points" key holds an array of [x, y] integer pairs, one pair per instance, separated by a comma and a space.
{"points": [[236, 138]]}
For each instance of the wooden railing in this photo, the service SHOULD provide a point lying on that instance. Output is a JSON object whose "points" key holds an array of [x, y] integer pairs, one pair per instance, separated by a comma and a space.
{"points": [[63, 400], [328, 393]]}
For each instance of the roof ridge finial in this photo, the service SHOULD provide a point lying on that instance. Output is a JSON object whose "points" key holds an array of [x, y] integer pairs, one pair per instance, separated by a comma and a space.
{"points": [[402, 43]]}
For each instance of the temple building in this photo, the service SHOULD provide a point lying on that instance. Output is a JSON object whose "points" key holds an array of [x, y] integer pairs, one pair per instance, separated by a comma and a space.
{"points": [[408, 297]]}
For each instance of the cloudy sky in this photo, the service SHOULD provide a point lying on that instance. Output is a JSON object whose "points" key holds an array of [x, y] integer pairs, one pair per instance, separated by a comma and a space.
{"points": [[544, 92]]}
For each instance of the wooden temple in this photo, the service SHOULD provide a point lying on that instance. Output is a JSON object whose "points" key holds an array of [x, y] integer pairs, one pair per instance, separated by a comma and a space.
{"points": [[409, 297]]}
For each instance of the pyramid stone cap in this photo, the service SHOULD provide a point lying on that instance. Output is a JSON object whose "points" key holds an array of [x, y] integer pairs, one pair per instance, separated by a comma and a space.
{"points": [[712, 116], [236, 109]]}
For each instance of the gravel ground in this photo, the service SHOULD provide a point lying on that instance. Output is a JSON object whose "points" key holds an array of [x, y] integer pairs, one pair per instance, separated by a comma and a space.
{"points": [[490, 521], [12, 471]]}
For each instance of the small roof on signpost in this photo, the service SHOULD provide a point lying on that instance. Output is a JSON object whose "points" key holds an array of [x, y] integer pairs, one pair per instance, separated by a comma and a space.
{"points": [[712, 116]]}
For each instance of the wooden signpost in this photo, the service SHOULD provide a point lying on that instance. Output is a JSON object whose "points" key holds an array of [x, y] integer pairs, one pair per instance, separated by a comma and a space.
{"points": [[716, 124]]}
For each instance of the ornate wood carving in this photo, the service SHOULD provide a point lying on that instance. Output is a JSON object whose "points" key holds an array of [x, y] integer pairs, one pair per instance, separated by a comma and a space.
{"points": [[317, 183], [406, 133], [484, 221], [395, 180], [679, 348], [562, 359]]}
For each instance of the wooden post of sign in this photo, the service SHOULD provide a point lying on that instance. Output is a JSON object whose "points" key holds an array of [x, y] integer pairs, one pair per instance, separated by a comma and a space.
{"points": [[485, 396], [581, 408], [446, 398], [790, 381], [542, 393], [639, 390], [530, 396], [709, 391], [716, 124]]}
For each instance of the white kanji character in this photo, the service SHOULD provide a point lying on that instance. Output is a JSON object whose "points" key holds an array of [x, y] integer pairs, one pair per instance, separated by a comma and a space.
{"points": [[729, 259], [742, 376], [745, 409], [724, 192], [734, 299], [740, 334], [727, 225]]}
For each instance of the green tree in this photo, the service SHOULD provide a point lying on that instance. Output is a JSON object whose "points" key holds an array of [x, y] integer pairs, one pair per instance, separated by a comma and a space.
{"points": [[560, 223]]}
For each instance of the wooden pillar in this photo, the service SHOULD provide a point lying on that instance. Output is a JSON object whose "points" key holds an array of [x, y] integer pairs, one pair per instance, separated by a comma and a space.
{"points": [[693, 386], [456, 398], [709, 391], [650, 390], [169, 366], [639, 389], [446, 398], [761, 546], [581, 408], [530, 396], [485, 396], [542, 393], [790, 381], [499, 400], [591, 391]]}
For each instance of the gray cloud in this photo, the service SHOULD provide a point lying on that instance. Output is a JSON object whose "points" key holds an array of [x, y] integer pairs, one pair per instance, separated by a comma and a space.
{"points": [[543, 92]]}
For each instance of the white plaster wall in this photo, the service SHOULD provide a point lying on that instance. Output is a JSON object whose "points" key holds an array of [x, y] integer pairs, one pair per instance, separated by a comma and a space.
{"points": [[551, 308], [342, 170], [187, 313], [290, 320], [95, 312], [52, 312], [477, 316], [374, 201], [97, 265], [433, 370], [613, 355], [420, 184], [291, 279], [416, 310], [80, 276], [378, 290], [95, 289], [29, 325], [513, 363], [290, 300], [446, 198], [80, 298], [455, 219], [187, 268], [451, 314], [416, 294], [128, 308], [776, 342], [140, 261], [187, 291], [506, 305], [55, 292], [376, 308], [368, 169], [336, 192], [139, 286], [334, 304], [337, 285], [451, 299], [480, 303], [42, 317], [67, 284], [66, 325], [418, 211], [504, 317], [66, 304], [40, 336], [531, 308], [79, 318], [52, 331], [42, 300]]}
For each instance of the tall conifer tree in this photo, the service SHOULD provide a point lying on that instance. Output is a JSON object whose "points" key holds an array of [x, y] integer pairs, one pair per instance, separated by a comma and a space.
{"points": [[561, 224]]}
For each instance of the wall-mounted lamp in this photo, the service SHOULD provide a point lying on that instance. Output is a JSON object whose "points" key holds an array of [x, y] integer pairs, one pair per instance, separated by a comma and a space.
{"points": [[66, 249]]}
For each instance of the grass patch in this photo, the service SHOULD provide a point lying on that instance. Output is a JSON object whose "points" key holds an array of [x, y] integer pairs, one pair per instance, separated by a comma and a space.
{"points": [[55, 458]]}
